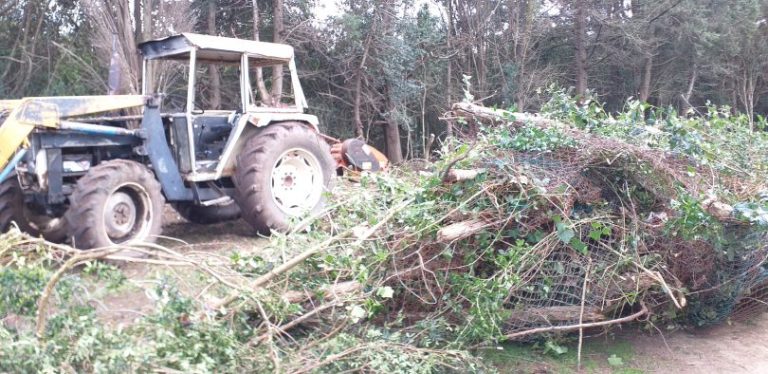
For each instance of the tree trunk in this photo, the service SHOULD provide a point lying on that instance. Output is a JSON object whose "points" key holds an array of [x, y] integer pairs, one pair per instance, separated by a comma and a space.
{"points": [[264, 95], [523, 36], [645, 85], [449, 72], [137, 21], [359, 87], [394, 148], [581, 49], [147, 19], [213, 69], [746, 88], [279, 37], [687, 95]]}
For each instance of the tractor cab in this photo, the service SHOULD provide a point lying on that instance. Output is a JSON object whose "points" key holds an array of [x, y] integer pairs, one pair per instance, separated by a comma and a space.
{"points": [[181, 68]]}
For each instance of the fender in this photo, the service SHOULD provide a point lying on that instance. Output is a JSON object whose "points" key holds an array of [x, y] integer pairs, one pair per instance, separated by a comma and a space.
{"points": [[237, 137]]}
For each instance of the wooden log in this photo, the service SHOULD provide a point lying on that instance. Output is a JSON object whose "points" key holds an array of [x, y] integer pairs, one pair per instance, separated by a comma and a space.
{"points": [[460, 230], [556, 314], [483, 114], [574, 327], [458, 175]]}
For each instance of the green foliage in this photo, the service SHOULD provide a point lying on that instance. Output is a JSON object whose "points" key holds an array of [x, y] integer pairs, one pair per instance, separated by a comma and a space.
{"points": [[20, 288], [102, 272], [692, 221], [532, 138]]}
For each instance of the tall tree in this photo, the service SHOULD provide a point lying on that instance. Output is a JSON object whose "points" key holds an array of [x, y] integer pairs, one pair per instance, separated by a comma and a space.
{"points": [[213, 70], [264, 94], [279, 36], [580, 64]]}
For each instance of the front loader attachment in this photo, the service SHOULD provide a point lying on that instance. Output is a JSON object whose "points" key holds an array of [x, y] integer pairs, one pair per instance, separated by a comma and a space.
{"points": [[18, 118]]}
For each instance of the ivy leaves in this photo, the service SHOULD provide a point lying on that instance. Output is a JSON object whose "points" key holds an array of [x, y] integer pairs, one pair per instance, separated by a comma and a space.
{"points": [[567, 233]]}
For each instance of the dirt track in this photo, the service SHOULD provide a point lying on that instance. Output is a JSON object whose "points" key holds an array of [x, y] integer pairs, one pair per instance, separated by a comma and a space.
{"points": [[737, 348]]}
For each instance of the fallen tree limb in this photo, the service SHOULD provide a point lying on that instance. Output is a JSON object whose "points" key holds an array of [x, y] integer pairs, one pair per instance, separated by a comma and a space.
{"points": [[458, 175], [557, 314], [42, 304], [333, 291], [295, 261], [471, 111], [460, 230], [568, 328]]}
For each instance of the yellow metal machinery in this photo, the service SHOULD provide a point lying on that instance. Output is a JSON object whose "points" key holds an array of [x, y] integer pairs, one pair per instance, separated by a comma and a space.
{"points": [[22, 116]]}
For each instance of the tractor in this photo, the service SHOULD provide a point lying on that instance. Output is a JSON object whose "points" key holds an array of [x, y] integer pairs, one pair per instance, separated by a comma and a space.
{"points": [[97, 170]]}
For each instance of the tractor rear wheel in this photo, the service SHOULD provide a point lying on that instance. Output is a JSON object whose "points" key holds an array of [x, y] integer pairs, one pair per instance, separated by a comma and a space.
{"points": [[206, 215], [116, 202], [282, 173], [13, 209]]}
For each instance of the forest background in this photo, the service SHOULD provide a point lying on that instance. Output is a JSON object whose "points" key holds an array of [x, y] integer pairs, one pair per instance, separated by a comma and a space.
{"points": [[388, 70]]}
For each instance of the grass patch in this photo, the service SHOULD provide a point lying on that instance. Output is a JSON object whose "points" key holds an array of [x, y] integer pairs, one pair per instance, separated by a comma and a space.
{"points": [[598, 356]]}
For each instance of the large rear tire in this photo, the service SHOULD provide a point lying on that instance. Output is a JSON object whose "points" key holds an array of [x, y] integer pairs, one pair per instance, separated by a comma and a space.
{"points": [[116, 202], [207, 215], [282, 173], [13, 209]]}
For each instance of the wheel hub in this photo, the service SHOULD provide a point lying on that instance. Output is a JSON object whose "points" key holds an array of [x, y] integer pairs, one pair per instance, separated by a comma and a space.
{"points": [[296, 181], [120, 215], [126, 213]]}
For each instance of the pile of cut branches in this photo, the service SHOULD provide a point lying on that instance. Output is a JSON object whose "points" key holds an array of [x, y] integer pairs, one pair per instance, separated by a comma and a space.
{"points": [[530, 227]]}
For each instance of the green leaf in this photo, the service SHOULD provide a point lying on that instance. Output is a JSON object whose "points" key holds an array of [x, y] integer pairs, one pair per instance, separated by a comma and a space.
{"points": [[357, 313], [579, 246], [595, 234], [555, 348], [385, 292], [565, 234]]}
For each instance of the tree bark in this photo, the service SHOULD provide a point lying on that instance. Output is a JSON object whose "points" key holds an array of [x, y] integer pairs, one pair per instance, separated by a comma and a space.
{"points": [[213, 70], [747, 93], [279, 37], [449, 72], [687, 95], [147, 19], [394, 147], [359, 84], [581, 50], [137, 20], [645, 85], [264, 95]]}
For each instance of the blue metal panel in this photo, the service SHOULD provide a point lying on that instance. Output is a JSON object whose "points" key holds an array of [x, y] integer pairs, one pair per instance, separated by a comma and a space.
{"points": [[161, 157], [66, 139], [164, 164], [12, 165]]}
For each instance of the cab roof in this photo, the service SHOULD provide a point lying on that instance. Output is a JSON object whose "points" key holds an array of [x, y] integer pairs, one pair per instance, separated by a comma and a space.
{"points": [[215, 49]]}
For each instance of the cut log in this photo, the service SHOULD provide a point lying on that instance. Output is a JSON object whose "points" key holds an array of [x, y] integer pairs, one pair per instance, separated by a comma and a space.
{"points": [[554, 314], [492, 116], [460, 230], [458, 175]]}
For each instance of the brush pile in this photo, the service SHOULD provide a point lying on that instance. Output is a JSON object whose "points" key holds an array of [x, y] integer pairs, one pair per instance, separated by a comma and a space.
{"points": [[526, 227]]}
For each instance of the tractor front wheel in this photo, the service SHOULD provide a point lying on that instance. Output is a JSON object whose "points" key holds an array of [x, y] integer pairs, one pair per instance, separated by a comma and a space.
{"points": [[282, 173], [14, 209], [116, 202]]}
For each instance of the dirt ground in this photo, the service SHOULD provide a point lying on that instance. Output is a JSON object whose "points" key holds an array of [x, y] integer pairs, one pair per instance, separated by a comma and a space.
{"points": [[737, 348], [728, 348], [740, 347], [223, 239]]}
